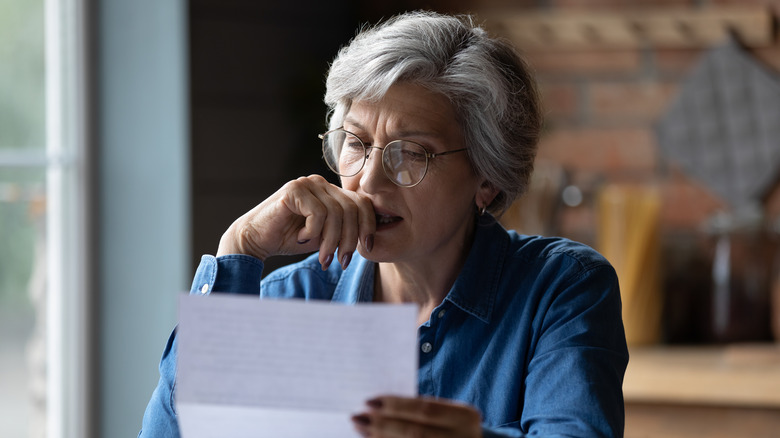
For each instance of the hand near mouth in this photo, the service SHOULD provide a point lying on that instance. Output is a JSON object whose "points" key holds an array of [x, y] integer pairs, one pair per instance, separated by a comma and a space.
{"points": [[304, 215]]}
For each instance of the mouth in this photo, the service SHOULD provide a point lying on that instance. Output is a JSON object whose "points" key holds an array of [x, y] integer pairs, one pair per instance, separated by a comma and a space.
{"points": [[385, 221]]}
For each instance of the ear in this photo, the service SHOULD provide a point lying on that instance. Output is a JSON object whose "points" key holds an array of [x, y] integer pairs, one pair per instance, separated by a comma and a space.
{"points": [[486, 193]]}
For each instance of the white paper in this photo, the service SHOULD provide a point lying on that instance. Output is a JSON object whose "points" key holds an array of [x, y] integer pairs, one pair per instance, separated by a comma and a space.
{"points": [[288, 368]]}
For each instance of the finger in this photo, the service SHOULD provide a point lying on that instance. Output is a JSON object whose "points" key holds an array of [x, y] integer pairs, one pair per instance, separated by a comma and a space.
{"points": [[428, 411], [362, 424], [300, 200], [377, 426], [349, 233], [358, 222], [366, 220], [340, 228]]}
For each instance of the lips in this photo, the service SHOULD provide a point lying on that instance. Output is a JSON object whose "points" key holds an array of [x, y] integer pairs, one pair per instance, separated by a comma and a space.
{"points": [[386, 219]]}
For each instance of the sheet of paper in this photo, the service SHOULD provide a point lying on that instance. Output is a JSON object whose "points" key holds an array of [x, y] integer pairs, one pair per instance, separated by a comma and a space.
{"points": [[288, 368]]}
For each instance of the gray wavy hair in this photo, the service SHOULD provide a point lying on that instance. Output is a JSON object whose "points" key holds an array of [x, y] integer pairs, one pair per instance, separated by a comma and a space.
{"points": [[490, 86]]}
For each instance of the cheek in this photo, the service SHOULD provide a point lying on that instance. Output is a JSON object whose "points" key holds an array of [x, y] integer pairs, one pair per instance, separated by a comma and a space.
{"points": [[436, 203]]}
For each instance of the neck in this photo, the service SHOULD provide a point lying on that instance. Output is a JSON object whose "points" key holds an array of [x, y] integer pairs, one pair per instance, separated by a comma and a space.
{"points": [[425, 283]]}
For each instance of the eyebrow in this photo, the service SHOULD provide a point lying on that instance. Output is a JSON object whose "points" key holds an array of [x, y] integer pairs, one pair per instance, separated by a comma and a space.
{"points": [[400, 135]]}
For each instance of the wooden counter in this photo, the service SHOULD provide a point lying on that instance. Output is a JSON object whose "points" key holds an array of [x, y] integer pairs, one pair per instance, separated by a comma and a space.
{"points": [[729, 391]]}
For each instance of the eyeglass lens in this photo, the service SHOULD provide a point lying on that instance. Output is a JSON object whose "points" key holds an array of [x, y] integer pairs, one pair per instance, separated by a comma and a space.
{"points": [[404, 162]]}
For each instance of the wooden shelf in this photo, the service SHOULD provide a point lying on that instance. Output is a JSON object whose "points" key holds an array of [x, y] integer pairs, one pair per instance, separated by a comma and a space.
{"points": [[630, 29], [739, 375]]}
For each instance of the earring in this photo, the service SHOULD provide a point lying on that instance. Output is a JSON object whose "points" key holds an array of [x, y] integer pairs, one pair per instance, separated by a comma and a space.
{"points": [[482, 211]]}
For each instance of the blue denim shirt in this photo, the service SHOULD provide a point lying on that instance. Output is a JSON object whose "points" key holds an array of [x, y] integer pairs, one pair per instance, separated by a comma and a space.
{"points": [[530, 333]]}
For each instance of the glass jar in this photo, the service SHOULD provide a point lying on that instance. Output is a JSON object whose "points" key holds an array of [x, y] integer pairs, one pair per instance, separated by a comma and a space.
{"points": [[742, 252]]}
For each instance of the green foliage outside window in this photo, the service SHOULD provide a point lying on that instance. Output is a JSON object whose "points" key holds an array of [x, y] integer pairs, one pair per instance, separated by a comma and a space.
{"points": [[22, 74], [22, 129]]}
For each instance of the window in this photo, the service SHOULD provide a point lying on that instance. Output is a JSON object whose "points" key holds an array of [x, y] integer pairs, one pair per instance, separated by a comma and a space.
{"points": [[43, 220]]}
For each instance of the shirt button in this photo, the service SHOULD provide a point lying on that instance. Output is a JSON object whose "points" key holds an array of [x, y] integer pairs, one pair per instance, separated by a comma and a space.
{"points": [[426, 347], [441, 313], [204, 288]]}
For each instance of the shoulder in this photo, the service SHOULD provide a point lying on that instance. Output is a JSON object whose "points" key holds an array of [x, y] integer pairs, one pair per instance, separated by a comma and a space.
{"points": [[553, 268], [568, 287], [555, 252]]}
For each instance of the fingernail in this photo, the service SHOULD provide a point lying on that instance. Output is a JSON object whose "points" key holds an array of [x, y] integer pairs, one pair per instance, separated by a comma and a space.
{"points": [[362, 419], [327, 262], [375, 403], [301, 242], [369, 244], [345, 259]]}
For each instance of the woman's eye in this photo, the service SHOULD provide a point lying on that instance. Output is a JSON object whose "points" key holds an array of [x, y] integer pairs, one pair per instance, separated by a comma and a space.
{"points": [[354, 145], [414, 155]]}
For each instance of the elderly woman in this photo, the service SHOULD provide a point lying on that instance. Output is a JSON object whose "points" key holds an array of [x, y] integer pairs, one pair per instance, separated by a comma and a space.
{"points": [[433, 130]]}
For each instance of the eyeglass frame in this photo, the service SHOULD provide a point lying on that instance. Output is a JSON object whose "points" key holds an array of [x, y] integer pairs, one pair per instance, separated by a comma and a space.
{"points": [[428, 155]]}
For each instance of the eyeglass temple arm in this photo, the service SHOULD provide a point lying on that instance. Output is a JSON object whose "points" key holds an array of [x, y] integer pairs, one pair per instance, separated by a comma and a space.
{"points": [[432, 155]]}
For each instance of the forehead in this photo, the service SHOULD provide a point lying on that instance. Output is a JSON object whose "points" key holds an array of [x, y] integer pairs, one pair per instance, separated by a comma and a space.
{"points": [[406, 108]]}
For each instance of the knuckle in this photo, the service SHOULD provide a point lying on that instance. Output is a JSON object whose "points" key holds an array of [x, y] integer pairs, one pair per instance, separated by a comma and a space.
{"points": [[299, 181], [293, 186], [315, 178], [365, 203]]}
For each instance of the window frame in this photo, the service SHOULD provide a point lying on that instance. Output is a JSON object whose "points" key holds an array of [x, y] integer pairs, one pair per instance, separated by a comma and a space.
{"points": [[69, 345]]}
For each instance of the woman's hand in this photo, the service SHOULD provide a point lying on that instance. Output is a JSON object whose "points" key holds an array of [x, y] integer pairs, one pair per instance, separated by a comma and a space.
{"points": [[391, 417], [304, 215]]}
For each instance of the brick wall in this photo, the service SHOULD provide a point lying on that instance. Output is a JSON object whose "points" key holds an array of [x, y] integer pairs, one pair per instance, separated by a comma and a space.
{"points": [[601, 107]]}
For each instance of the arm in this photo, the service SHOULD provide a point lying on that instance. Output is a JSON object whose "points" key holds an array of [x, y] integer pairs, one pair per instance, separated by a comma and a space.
{"points": [[160, 417], [238, 274], [575, 376], [303, 216]]}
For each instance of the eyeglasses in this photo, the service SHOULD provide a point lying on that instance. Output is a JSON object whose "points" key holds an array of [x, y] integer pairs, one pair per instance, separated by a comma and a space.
{"points": [[405, 162]]}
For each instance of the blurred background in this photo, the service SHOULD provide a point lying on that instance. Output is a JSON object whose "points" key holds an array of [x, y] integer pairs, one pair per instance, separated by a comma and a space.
{"points": [[133, 133]]}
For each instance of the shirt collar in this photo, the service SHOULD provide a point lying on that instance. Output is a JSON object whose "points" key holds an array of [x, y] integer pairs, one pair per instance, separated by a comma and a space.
{"points": [[356, 284], [476, 288]]}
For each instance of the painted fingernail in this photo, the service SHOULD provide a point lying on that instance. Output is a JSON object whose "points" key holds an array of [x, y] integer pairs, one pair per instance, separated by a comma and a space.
{"points": [[327, 262], [369, 244], [375, 403], [362, 419], [345, 259], [301, 242]]}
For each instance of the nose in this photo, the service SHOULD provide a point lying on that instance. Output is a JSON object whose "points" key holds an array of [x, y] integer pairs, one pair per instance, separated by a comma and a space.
{"points": [[373, 178]]}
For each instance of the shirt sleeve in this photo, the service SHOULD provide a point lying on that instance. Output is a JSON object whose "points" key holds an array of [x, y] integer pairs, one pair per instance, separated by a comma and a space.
{"points": [[573, 381], [575, 378], [160, 417], [238, 274], [235, 274]]}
